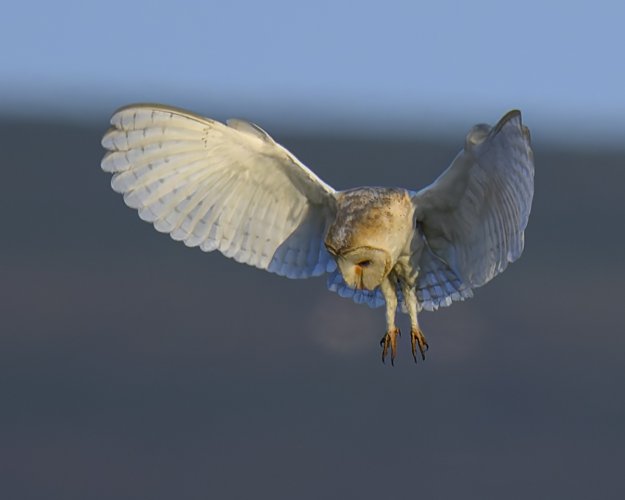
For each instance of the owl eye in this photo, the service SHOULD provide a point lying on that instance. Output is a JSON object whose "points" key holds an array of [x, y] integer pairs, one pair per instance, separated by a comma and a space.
{"points": [[364, 263]]}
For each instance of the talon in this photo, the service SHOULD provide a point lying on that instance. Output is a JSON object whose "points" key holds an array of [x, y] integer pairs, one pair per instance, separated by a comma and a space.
{"points": [[390, 340], [417, 338]]}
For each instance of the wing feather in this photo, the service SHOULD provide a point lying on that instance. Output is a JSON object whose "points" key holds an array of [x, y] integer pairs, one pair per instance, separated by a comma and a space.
{"points": [[473, 217], [226, 187]]}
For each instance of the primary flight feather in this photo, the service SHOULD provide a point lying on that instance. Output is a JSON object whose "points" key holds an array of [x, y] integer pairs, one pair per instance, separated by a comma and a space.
{"points": [[231, 187]]}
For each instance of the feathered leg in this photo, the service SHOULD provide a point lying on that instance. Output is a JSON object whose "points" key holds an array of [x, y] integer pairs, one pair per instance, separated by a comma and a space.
{"points": [[416, 335], [390, 338]]}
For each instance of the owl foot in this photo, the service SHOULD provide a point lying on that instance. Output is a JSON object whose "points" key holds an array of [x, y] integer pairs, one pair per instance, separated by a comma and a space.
{"points": [[416, 337], [390, 340]]}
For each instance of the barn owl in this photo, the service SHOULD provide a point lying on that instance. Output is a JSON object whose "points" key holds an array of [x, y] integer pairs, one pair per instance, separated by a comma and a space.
{"points": [[231, 187]]}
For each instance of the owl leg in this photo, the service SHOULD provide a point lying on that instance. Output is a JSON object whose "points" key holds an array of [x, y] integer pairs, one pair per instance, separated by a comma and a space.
{"points": [[390, 338], [416, 335]]}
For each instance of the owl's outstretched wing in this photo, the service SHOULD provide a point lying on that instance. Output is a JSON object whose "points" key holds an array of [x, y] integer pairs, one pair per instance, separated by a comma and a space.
{"points": [[474, 215], [227, 187]]}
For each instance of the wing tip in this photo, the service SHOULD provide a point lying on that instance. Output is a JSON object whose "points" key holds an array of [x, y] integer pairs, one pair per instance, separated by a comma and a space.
{"points": [[513, 116], [508, 117]]}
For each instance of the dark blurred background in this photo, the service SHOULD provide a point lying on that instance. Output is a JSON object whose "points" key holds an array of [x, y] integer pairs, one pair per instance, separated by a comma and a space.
{"points": [[134, 367]]}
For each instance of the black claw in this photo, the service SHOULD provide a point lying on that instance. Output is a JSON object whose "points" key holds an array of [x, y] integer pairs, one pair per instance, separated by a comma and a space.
{"points": [[386, 342], [384, 349], [418, 339]]}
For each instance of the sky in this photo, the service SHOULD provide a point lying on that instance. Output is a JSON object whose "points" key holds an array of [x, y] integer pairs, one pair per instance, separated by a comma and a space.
{"points": [[378, 66]]}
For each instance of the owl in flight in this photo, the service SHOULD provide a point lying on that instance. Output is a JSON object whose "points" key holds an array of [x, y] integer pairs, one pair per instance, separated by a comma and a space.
{"points": [[231, 187]]}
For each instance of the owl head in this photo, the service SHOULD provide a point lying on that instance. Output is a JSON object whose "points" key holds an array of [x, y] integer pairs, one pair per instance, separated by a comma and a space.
{"points": [[363, 267]]}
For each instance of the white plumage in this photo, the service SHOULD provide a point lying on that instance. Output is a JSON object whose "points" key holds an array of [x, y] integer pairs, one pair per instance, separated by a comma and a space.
{"points": [[220, 187], [231, 187]]}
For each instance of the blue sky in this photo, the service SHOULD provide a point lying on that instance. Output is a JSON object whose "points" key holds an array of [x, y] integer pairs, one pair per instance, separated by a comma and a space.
{"points": [[380, 66]]}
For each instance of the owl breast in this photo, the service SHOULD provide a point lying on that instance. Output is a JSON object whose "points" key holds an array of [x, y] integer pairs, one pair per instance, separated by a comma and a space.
{"points": [[379, 218]]}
